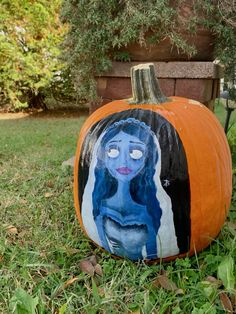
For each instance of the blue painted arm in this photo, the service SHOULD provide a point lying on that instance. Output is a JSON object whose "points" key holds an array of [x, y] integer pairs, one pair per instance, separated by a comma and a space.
{"points": [[101, 233]]}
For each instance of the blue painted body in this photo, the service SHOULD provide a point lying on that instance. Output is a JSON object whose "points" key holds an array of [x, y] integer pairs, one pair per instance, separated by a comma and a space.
{"points": [[126, 211]]}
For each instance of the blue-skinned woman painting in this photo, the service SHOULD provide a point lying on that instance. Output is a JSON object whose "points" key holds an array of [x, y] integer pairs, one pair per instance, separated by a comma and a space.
{"points": [[128, 212]]}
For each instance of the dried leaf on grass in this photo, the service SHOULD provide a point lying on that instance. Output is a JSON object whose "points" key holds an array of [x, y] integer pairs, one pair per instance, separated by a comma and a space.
{"points": [[48, 194], [213, 280], [226, 303], [93, 260], [50, 184], [98, 269], [70, 282], [179, 291], [164, 282], [87, 267], [11, 229], [90, 266], [72, 251], [62, 287]]}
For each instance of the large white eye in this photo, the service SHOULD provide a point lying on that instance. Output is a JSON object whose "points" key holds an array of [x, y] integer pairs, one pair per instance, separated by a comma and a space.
{"points": [[113, 152], [136, 154]]}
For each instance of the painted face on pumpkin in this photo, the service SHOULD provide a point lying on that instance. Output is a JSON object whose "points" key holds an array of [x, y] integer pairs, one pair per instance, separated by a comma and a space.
{"points": [[125, 156]]}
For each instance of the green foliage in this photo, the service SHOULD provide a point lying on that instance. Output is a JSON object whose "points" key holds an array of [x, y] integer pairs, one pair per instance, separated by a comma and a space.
{"points": [[226, 272], [223, 25], [98, 29], [231, 135], [30, 33], [23, 303]]}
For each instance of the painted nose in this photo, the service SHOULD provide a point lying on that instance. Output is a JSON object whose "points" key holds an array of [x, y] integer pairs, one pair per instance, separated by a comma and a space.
{"points": [[124, 158]]}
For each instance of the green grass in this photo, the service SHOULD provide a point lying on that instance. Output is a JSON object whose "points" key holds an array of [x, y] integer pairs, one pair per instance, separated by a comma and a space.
{"points": [[231, 133], [220, 112], [45, 249]]}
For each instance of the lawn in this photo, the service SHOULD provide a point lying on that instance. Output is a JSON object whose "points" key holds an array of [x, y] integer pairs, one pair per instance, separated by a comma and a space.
{"points": [[220, 112], [41, 243]]}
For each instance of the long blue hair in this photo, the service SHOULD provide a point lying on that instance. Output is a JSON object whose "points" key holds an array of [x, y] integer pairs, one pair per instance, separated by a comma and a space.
{"points": [[142, 187]]}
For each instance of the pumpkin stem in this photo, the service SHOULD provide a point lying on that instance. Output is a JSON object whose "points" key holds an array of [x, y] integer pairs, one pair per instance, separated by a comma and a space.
{"points": [[145, 86]]}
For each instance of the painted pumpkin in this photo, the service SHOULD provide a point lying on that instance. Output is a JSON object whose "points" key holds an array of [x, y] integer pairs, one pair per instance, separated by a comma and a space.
{"points": [[152, 174]]}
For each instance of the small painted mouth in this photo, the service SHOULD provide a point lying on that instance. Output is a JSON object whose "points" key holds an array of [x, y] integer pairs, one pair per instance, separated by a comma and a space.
{"points": [[124, 170]]}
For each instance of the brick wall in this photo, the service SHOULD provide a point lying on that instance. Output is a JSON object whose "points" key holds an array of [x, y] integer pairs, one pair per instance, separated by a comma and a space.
{"points": [[196, 80]]}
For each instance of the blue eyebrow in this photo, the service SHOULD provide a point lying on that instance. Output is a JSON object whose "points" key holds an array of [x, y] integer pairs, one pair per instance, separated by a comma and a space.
{"points": [[132, 142], [114, 142]]}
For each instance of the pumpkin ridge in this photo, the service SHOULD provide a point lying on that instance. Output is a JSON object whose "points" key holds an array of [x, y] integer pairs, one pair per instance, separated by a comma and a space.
{"points": [[192, 162], [223, 157], [206, 123]]}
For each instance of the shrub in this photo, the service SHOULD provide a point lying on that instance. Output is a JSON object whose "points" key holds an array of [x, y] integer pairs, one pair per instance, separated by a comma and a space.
{"points": [[99, 28], [30, 34]]}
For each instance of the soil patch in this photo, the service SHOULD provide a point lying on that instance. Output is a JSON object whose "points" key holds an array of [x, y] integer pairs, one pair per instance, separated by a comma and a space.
{"points": [[44, 114]]}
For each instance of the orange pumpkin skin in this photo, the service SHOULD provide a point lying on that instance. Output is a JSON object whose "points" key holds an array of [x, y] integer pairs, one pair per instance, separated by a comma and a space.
{"points": [[208, 158]]}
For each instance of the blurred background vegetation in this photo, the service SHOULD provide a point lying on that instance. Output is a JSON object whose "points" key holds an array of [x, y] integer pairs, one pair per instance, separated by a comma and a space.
{"points": [[51, 51], [30, 35]]}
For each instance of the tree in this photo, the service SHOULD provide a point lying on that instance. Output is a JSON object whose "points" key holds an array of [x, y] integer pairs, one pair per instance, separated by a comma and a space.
{"points": [[30, 34]]}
